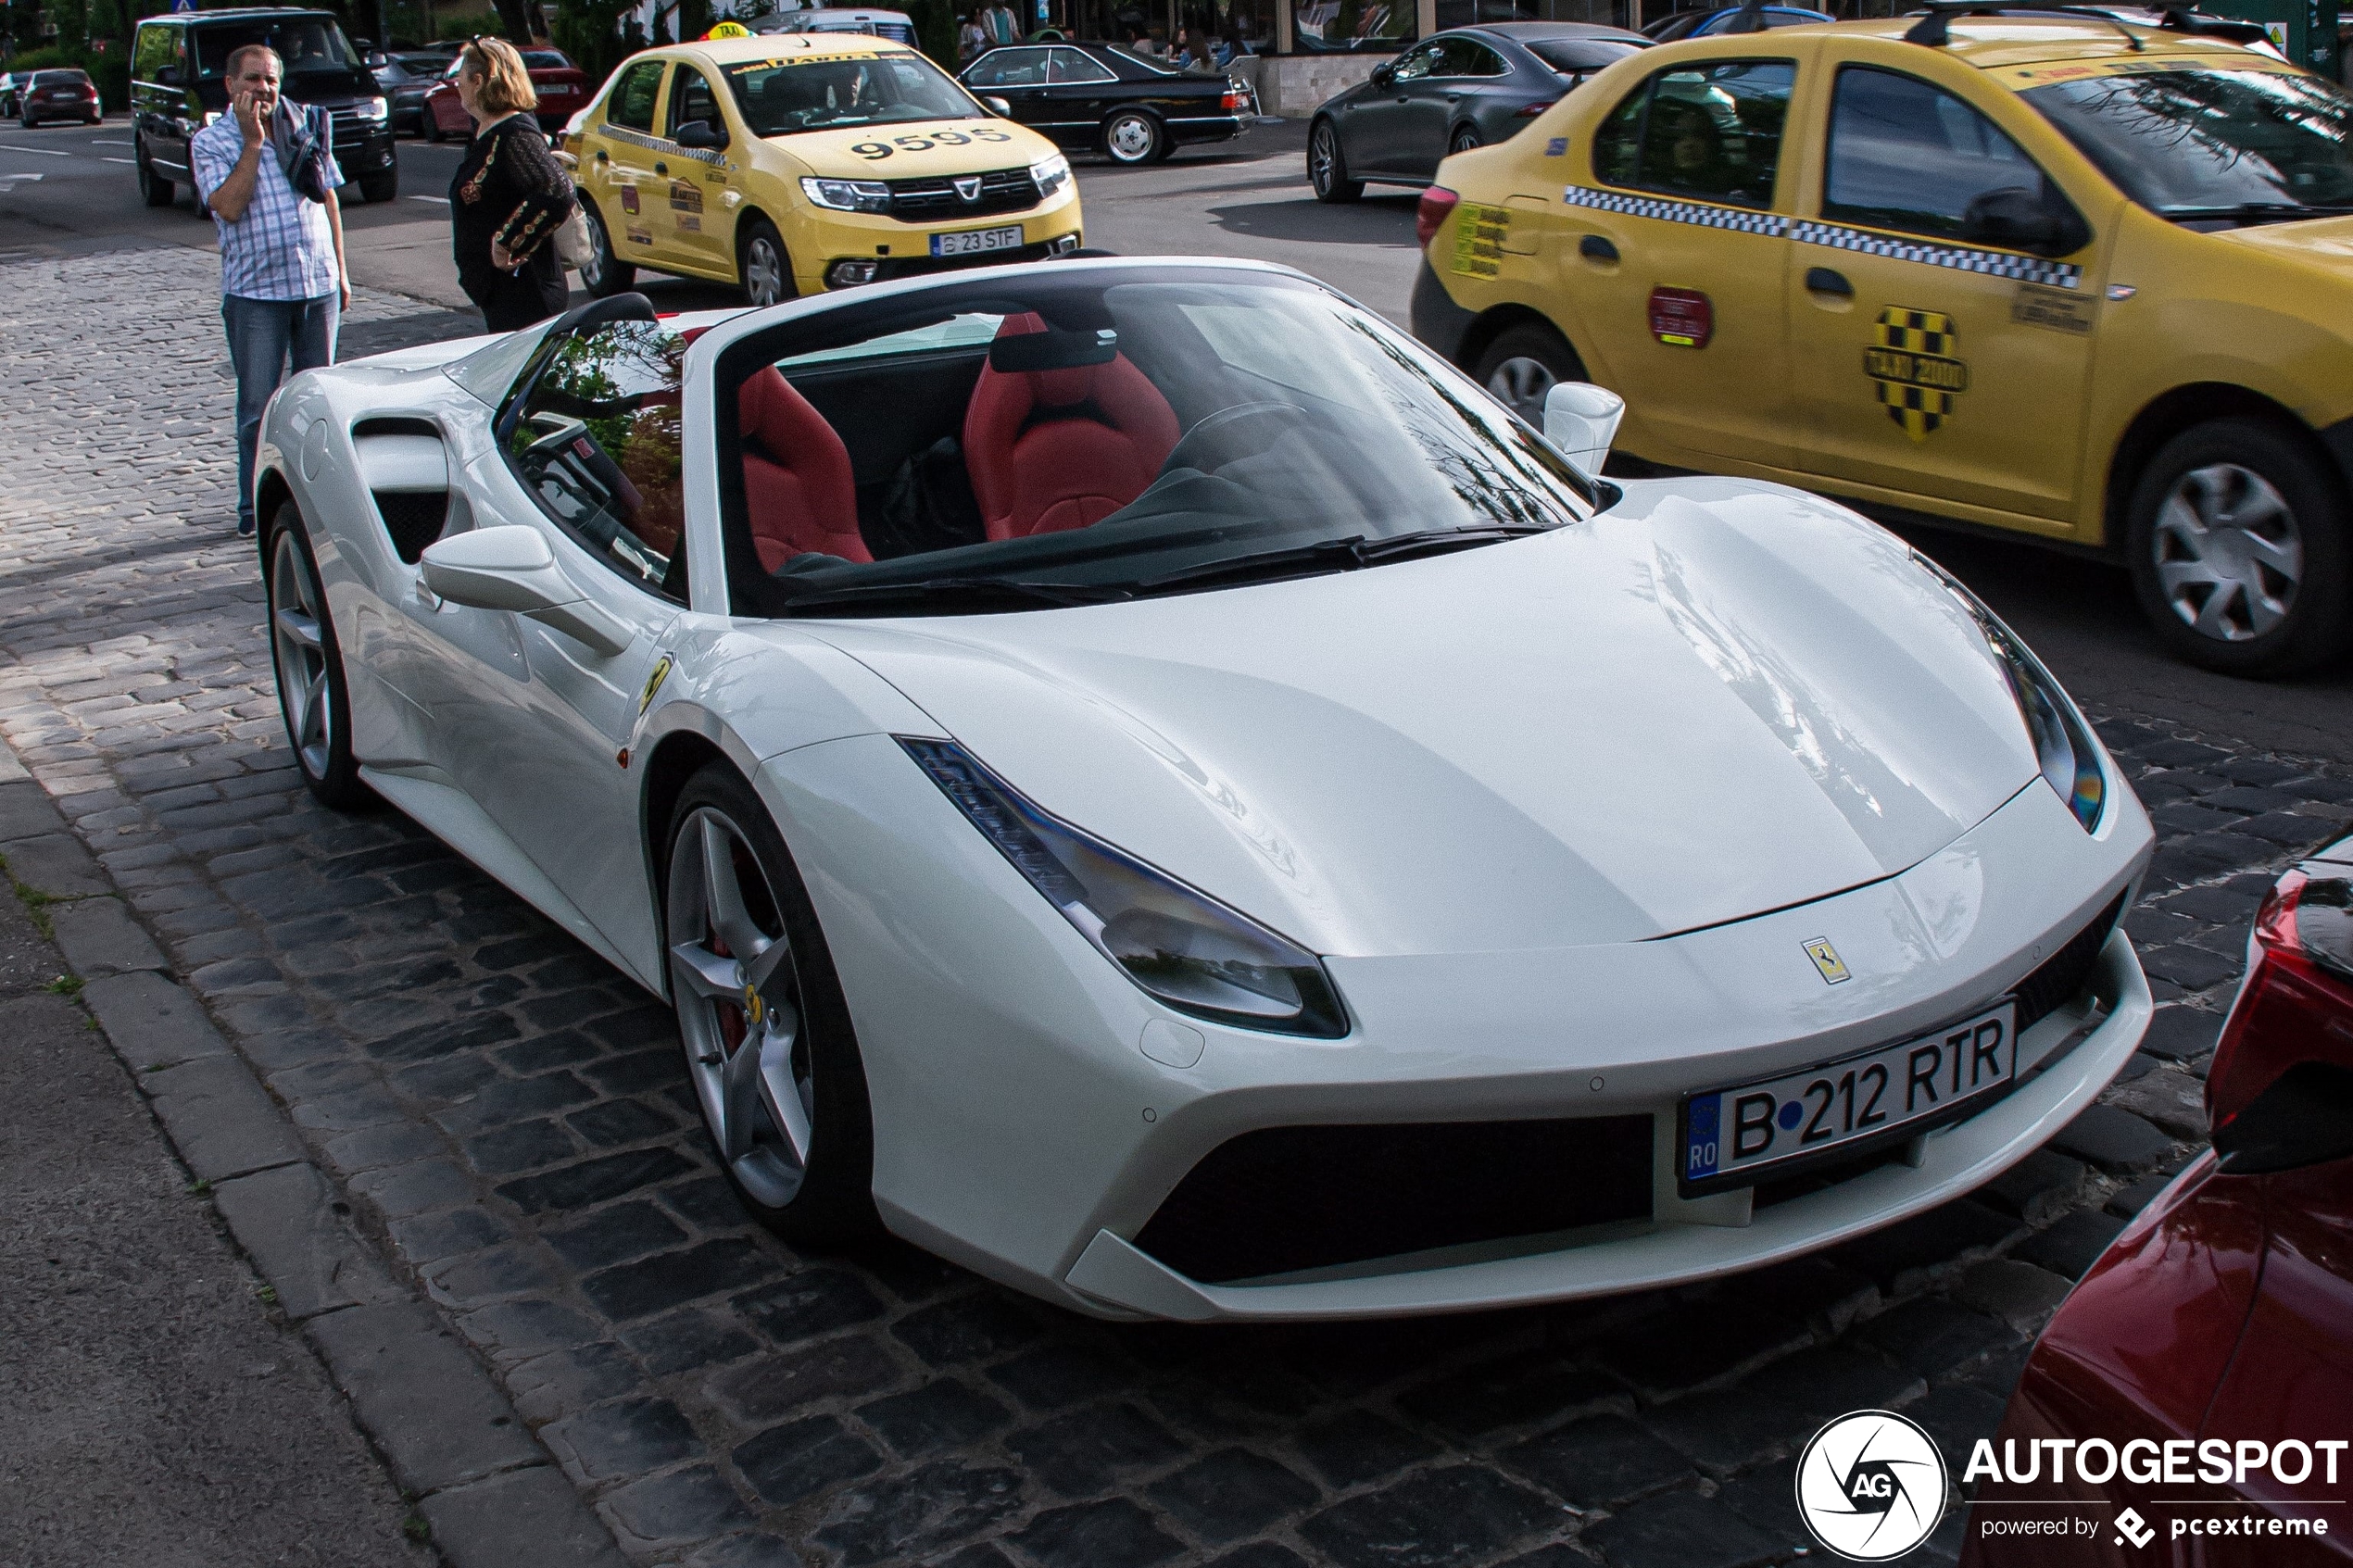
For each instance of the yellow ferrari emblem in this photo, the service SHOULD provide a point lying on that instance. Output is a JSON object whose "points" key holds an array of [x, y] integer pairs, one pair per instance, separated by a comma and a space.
{"points": [[1911, 362], [754, 1008], [1826, 958], [653, 684]]}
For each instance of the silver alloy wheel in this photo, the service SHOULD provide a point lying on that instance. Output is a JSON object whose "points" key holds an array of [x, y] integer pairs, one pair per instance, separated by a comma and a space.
{"points": [[763, 271], [2229, 553], [1520, 383], [1322, 154], [1130, 138], [1467, 139], [739, 1007], [300, 655], [599, 265]]}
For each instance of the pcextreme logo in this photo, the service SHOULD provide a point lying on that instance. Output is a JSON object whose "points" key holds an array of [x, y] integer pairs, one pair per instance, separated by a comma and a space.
{"points": [[1870, 1486]]}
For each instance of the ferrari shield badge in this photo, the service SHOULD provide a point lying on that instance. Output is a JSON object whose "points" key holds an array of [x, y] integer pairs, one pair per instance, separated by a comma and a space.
{"points": [[653, 684], [1826, 958], [1912, 363]]}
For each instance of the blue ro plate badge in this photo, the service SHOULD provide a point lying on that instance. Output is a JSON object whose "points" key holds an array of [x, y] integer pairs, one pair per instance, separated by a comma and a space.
{"points": [[1753, 1127]]}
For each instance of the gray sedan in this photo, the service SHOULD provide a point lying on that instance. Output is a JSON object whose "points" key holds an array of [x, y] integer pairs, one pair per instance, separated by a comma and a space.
{"points": [[1452, 90]]}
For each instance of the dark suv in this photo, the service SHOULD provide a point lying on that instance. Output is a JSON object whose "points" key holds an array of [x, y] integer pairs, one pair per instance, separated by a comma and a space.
{"points": [[178, 67]]}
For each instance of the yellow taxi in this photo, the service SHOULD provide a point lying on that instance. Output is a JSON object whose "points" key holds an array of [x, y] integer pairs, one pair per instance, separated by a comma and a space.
{"points": [[2065, 277], [793, 163]]}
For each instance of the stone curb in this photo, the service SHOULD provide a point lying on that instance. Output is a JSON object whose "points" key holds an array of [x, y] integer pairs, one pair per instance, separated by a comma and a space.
{"points": [[485, 1484]]}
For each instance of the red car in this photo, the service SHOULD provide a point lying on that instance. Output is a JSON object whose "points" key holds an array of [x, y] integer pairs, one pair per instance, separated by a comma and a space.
{"points": [[562, 88], [2192, 1400]]}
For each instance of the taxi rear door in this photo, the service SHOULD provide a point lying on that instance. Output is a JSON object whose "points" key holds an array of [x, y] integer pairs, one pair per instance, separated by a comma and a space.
{"points": [[1931, 358], [620, 168], [692, 219], [1673, 243]]}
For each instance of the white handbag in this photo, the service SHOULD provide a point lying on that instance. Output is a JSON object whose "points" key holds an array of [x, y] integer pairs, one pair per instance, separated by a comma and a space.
{"points": [[574, 246]]}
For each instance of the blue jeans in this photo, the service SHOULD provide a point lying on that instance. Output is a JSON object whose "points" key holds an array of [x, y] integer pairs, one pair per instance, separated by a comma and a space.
{"points": [[263, 335]]}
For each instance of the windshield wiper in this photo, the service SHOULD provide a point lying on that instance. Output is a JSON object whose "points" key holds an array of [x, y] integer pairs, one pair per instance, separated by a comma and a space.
{"points": [[1337, 555], [2253, 211], [982, 588]]}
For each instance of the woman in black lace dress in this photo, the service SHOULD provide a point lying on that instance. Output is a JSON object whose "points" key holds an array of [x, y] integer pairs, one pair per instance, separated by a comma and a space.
{"points": [[510, 195]]}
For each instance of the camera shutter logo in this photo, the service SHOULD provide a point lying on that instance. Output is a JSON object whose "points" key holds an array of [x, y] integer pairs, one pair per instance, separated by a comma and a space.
{"points": [[1870, 1486]]}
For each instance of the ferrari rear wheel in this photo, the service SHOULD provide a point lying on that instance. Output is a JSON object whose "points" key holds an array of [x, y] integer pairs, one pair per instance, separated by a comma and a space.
{"points": [[313, 695], [770, 1048], [605, 274]]}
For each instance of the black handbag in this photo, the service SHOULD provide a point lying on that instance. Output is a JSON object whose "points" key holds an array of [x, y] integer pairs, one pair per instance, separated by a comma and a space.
{"points": [[304, 139]]}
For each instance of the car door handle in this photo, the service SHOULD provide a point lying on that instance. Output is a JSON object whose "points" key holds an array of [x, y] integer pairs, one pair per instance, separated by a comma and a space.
{"points": [[1598, 248], [1821, 279], [602, 158], [1454, 97], [661, 168]]}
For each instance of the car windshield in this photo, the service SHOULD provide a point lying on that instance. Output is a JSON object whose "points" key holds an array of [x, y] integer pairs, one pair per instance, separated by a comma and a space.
{"points": [[2220, 144], [1574, 57], [1039, 441], [306, 45], [545, 59], [780, 97]]}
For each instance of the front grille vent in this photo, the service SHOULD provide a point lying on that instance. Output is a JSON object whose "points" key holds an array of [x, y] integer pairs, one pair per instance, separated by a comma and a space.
{"points": [[2061, 978], [935, 200], [1284, 1199]]}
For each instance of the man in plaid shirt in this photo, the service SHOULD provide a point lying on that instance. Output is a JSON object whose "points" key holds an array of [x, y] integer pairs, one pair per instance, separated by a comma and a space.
{"points": [[282, 283]]}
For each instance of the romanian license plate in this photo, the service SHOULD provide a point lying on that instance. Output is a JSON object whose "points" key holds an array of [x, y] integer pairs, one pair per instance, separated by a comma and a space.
{"points": [[974, 242], [1753, 1127]]}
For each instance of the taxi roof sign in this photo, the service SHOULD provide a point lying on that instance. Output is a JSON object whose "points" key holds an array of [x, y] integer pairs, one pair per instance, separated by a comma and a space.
{"points": [[729, 30]]}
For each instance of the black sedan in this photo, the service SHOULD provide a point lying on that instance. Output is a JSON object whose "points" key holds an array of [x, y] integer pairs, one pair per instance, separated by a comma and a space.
{"points": [[1452, 92], [405, 79], [1099, 95]]}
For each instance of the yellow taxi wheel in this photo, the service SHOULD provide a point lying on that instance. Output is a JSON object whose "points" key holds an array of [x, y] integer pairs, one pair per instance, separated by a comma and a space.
{"points": [[2237, 541], [605, 274], [762, 265], [1327, 166], [1523, 365]]}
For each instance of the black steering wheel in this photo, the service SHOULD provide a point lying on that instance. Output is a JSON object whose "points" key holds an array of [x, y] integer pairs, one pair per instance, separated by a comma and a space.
{"points": [[1244, 430]]}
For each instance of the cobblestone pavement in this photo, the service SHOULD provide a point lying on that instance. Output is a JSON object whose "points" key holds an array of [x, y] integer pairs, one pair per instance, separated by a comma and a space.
{"points": [[510, 1118]]}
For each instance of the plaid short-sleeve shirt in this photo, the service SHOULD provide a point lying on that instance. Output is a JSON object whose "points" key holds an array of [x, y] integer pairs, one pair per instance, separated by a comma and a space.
{"points": [[282, 247]]}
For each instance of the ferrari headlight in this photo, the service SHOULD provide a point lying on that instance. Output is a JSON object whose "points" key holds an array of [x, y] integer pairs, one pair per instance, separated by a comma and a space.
{"points": [[848, 195], [1183, 946], [2063, 743], [1050, 174]]}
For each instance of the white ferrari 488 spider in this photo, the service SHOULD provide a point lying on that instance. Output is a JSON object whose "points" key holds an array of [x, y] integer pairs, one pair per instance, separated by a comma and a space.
{"points": [[1140, 779]]}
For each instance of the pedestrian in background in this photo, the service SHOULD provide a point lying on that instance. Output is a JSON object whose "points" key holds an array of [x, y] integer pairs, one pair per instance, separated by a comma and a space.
{"points": [[509, 195], [282, 283], [970, 37]]}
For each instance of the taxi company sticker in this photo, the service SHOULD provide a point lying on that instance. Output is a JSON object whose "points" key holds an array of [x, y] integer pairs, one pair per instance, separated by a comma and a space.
{"points": [[685, 197], [689, 224], [638, 236], [1556, 147], [1911, 362], [1479, 234], [2061, 310], [629, 198]]}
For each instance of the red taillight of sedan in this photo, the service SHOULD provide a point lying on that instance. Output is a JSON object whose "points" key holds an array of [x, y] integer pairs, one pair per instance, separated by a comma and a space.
{"points": [[1430, 214], [1532, 110], [2296, 1006], [1230, 102]]}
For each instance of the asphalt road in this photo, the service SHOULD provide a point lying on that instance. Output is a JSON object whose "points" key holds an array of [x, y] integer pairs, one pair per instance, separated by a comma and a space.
{"points": [[70, 189]]}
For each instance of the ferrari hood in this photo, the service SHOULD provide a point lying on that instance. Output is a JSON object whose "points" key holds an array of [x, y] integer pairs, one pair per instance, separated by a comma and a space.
{"points": [[1715, 699], [931, 148]]}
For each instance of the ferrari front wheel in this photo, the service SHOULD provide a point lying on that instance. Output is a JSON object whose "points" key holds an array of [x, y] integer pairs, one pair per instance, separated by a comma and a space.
{"points": [[770, 1048], [313, 695]]}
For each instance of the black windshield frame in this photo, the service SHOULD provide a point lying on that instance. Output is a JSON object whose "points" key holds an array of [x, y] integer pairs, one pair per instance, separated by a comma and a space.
{"points": [[1049, 559]]}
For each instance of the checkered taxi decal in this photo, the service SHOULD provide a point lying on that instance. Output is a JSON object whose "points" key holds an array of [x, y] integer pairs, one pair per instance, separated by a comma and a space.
{"points": [[1960, 259]]}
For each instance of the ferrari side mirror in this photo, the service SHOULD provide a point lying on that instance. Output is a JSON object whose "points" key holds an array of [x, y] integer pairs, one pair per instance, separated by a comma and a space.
{"points": [[510, 568], [1581, 420]]}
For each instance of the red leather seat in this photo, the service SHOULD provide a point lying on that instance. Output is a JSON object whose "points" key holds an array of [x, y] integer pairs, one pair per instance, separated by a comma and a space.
{"points": [[1055, 449], [798, 486]]}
